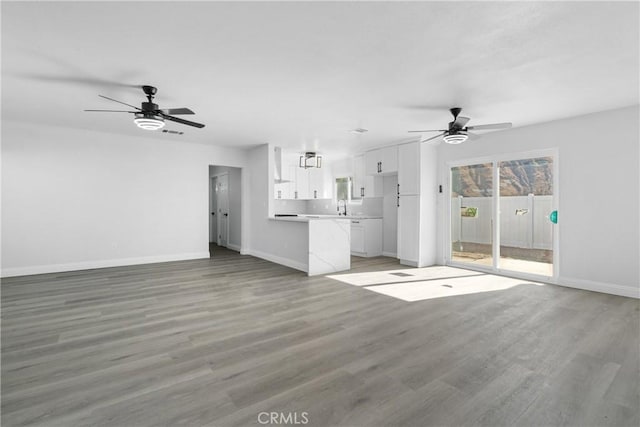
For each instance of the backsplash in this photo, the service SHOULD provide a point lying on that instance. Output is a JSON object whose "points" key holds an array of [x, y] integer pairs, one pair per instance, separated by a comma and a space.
{"points": [[290, 206], [370, 207]]}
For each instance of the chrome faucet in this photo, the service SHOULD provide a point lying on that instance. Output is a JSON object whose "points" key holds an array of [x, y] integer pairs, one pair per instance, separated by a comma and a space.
{"points": [[345, 207]]}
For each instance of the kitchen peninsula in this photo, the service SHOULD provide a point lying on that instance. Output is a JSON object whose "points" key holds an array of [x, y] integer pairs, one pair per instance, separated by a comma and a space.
{"points": [[329, 240]]}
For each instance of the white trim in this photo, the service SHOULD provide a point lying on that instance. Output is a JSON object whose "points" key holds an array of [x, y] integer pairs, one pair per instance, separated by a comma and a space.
{"points": [[606, 288], [569, 282], [390, 254], [234, 247], [279, 260], [502, 157], [88, 265]]}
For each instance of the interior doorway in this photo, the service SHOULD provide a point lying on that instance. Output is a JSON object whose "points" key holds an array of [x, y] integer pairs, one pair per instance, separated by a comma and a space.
{"points": [[224, 209], [503, 215]]}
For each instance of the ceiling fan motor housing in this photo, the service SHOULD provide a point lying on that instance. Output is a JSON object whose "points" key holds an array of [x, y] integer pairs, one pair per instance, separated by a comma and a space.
{"points": [[149, 107]]}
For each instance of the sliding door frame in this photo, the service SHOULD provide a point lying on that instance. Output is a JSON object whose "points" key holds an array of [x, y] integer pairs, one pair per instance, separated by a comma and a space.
{"points": [[495, 215]]}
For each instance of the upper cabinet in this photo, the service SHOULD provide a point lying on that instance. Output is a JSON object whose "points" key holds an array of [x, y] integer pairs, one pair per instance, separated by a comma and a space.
{"points": [[319, 183], [364, 185], [409, 168], [301, 182], [383, 161]]}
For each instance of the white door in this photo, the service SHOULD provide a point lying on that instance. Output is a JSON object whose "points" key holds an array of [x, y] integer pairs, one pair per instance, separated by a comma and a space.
{"points": [[213, 219], [222, 193], [409, 168], [408, 229], [357, 237]]}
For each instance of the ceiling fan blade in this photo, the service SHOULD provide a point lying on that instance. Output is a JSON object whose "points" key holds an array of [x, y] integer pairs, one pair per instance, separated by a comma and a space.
{"points": [[120, 102], [182, 121], [433, 107], [430, 130], [86, 80], [460, 122], [112, 111], [433, 137], [491, 126], [473, 136], [177, 111]]}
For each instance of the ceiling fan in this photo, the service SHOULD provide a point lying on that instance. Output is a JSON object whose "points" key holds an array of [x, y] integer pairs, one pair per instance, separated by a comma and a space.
{"points": [[457, 132], [150, 117]]}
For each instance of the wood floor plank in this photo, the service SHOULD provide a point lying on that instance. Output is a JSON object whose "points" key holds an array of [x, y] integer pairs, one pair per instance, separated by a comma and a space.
{"points": [[218, 341]]}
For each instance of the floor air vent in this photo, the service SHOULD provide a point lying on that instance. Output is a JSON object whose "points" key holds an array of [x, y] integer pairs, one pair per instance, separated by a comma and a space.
{"points": [[402, 274]]}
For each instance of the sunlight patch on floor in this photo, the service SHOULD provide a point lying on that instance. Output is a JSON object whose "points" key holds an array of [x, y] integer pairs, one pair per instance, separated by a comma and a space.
{"points": [[402, 275], [430, 282], [511, 264]]}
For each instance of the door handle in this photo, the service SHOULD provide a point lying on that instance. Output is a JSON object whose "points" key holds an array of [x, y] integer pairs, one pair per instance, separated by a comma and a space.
{"points": [[361, 191], [226, 214], [398, 203], [398, 188], [213, 213]]}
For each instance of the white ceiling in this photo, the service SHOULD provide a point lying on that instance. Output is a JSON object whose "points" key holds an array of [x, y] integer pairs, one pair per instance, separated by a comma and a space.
{"points": [[301, 75]]}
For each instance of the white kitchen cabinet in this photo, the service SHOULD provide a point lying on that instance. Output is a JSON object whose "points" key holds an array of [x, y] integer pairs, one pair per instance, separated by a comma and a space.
{"points": [[284, 190], [383, 161], [357, 238], [409, 168], [301, 183], [409, 230], [366, 237], [319, 184], [364, 185]]}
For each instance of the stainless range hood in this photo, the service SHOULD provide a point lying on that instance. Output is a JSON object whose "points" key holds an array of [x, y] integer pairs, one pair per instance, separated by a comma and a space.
{"points": [[278, 166]]}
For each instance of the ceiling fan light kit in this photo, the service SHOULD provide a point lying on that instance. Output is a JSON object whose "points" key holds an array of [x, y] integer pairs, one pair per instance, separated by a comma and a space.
{"points": [[148, 122], [455, 139], [150, 116]]}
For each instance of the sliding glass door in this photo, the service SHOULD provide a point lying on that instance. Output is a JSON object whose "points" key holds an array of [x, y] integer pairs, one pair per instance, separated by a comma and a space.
{"points": [[511, 229], [472, 214], [526, 205]]}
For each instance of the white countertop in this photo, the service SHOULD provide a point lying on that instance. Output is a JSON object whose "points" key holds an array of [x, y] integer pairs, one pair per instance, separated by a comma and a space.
{"points": [[308, 217]]}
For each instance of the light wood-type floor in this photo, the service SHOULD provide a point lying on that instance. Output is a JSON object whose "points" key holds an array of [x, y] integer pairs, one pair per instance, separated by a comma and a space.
{"points": [[218, 342]]}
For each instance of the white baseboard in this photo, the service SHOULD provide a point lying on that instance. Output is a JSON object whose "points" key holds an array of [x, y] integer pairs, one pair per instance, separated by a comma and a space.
{"points": [[233, 247], [88, 265], [391, 254], [279, 260], [606, 288]]}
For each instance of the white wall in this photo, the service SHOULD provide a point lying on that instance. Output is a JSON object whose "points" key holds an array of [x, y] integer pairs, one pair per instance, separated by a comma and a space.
{"points": [[235, 202], [75, 199], [599, 193], [283, 242]]}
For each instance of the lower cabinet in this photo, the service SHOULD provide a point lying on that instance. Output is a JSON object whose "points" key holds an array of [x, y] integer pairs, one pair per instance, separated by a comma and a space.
{"points": [[366, 237]]}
